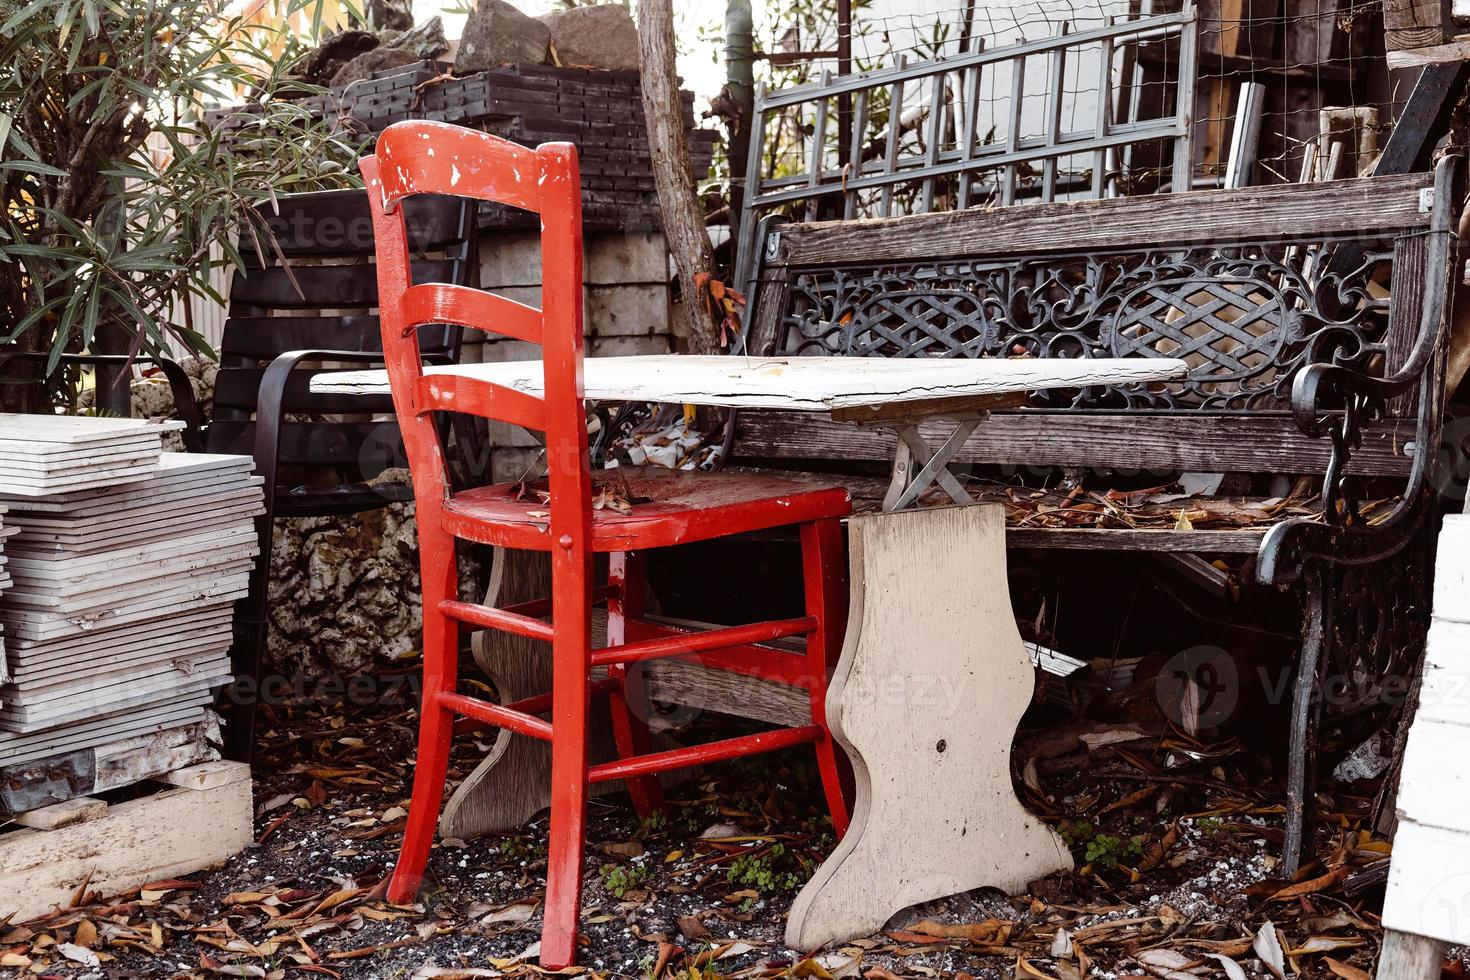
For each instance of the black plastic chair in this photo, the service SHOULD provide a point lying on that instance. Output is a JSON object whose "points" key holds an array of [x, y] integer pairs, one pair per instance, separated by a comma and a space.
{"points": [[287, 320]]}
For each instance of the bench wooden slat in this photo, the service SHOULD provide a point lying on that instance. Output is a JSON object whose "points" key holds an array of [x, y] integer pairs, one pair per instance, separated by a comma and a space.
{"points": [[1118, 441], [1241, 541], [1376, 205]]}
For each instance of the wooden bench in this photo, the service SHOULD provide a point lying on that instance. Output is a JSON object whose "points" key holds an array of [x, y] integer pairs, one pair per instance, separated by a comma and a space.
{"points": [[1313, 320]]}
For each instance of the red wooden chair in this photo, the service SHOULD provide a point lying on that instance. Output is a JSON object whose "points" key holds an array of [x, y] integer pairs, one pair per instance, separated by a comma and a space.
{"points": [[674, 508]]}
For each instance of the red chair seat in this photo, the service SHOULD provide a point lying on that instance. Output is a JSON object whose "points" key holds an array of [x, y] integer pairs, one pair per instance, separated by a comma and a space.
{"points": [[668, 507]]}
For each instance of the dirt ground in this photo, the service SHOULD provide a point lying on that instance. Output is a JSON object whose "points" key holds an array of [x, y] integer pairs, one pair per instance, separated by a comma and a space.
{"points": [[1174, 841]]}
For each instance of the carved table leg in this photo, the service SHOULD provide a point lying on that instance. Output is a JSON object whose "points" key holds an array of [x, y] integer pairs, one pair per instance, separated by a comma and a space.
{"points": [[925, 700]]}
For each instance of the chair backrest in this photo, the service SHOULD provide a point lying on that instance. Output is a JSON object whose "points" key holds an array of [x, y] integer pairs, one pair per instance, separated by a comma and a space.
{"points": [[310, 285], [421, 157]]}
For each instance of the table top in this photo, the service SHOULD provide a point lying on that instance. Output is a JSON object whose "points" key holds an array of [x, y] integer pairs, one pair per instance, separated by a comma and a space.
{"points": [[813, 384]]}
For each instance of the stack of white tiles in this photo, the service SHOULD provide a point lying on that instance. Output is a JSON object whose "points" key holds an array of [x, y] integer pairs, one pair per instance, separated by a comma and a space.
{"points": [[123, 574]]}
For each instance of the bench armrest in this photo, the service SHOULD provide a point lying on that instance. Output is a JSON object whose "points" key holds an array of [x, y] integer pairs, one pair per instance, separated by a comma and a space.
{"points": [[1334, 401]]}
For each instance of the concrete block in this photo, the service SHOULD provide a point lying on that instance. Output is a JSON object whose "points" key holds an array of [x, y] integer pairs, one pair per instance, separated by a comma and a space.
{"points": [[632, 257], [627, 310], [629, 346], [503, 435], [496, 351], [510, 259]]}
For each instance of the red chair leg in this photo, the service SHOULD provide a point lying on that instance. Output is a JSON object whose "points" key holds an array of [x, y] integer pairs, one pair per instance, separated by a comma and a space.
{"points": [[436, 724], [571, 651], [628, 704], [824, 572]]}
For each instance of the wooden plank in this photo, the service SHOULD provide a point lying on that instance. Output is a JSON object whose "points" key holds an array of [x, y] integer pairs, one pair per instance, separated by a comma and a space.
{"points": [[1406, 956], [1381, 205], [208, 775], [1409, 24], [1123, 441], [1451, 53], [903, 411], [688, 684], [1427, 882], [1424, 119], [1412, 283], [815, 384], [1200, 541], [165, 835], [58, 815]]}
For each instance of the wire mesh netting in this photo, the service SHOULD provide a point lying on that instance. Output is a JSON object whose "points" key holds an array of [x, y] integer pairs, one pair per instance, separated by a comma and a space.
{"points": [[1040, 99]]}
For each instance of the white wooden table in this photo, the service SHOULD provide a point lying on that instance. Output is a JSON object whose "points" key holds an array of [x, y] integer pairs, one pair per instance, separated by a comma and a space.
{"points": [[933, 676], [892, 393]]}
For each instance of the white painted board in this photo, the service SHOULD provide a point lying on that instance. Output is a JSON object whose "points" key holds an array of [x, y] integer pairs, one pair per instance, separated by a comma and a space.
{"points": [[795, 383]]}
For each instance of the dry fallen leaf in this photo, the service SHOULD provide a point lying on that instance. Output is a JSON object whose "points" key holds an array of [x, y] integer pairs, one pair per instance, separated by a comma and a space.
{"points": [[1311, 886], [1267, 946], [1167, 963], [1233, 970], [1344, 970], [690, 927], [989, 931], [78, 954]]}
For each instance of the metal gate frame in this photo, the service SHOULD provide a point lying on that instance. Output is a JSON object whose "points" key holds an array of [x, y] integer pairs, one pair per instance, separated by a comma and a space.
{"points": [[1106, 136]]}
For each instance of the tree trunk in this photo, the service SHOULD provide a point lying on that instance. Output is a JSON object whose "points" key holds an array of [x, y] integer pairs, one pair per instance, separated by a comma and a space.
{"points": [[668, 146], [740, 87]]}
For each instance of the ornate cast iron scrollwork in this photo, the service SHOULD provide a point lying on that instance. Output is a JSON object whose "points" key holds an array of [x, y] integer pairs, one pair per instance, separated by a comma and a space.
{"points": [[1246, 317]]}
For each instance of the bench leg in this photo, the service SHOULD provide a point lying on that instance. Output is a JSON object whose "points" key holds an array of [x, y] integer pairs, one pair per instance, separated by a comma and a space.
{"points": [[931, 684], [1301, 773]]}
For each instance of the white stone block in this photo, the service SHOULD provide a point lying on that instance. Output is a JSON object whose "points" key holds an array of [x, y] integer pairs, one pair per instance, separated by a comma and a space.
{"points": [[628, 346], [1444, 697], [634, 257], [1435, 787], [1429, 883], [1452, 570]]}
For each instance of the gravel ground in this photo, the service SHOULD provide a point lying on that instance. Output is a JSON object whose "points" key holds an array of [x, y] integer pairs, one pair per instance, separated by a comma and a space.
{"points": [[1175, 877]]}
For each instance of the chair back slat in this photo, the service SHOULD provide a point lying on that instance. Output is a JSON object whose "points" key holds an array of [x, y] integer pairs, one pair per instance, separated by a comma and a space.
{"points": [[347, 445], [449, 393], [237, 391], [323, 287], [475, 308], [324, 224]]}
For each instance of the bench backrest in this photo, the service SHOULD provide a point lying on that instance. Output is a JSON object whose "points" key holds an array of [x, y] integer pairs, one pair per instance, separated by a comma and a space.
{"points": [[1249, 286]]}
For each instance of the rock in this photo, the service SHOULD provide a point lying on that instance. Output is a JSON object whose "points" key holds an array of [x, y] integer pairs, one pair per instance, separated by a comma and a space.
{"points": [[426, 41], [363, 66], [498, 34], [344, 592], [389, 15], [336, 51], [601, 36]]}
